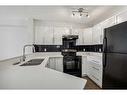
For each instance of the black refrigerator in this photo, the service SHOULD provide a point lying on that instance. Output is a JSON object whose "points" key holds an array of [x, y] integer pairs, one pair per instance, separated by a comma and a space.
{"points": [[115, 57]]}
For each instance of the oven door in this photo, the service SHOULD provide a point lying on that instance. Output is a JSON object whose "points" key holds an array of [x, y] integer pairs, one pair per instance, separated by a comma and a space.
{"points": [[72, 65]]}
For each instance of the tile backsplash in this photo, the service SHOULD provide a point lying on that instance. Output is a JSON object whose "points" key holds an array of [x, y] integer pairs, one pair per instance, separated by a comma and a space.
{"points": [[58, 48], [48, 48], [90, 48]]}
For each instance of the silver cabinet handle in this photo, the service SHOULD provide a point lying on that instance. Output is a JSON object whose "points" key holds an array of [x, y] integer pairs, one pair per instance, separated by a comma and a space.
{"points": [[95, 68]]}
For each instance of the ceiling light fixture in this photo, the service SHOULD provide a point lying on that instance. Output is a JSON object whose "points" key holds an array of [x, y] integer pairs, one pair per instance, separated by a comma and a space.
{"points": [[80, 12]]}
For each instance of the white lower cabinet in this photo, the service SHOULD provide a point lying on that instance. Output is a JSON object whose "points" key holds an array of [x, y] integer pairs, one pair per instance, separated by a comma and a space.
{"points": [[84, 60], [55, 63], [94, 70], [59, 64], [91, 66]]}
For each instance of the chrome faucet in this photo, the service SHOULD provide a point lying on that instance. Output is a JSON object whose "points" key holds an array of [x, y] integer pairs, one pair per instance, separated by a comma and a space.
{"points": [[24, 57]]}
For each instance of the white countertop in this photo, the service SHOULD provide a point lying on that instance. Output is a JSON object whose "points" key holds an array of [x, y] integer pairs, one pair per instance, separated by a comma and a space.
{"points": [[37, 77]]}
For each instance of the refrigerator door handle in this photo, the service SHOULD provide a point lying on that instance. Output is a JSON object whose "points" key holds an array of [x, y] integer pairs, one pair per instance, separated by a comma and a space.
{"points": [[104, 44], [104, 51], [104, 60]]}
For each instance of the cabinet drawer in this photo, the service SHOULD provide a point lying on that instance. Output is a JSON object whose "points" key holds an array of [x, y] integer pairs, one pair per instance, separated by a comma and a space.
{"points": [[94, 67], [95, 79], [97, 67], [88, 68], [96, 73], [96, 61], [97, 70]]}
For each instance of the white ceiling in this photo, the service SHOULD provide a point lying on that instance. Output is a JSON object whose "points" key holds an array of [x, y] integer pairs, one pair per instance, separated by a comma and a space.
{"points": [[61, 13]]}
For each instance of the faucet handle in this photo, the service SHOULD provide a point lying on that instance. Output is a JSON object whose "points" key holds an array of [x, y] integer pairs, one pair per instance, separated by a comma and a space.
{"points": [[21, 59], [33, 49]]}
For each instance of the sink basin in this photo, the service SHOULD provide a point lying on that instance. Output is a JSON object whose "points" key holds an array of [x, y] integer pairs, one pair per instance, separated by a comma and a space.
{"points": [[33, 62], [16, 63]]}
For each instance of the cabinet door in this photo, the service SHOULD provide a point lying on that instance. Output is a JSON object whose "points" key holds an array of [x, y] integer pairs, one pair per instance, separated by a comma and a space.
{"points": [[58, 33], [84, 60], [59, 64], [121, 17], [52, 63], [87, 36], [94, 70], [96, 35], [43, 35], [74, 31], [79, 32], [88, 68], [107, 23], [55, 63]]}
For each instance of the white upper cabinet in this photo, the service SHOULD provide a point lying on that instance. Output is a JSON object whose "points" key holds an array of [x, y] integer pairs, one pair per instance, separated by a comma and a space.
{"points": [[96, 34], [80, 37], [87, 36], [107, 23], [46, 33], [122, 17], [43, 35], [58, 33], [78, 32], [74, 31], [98, 30], [84, 36]]}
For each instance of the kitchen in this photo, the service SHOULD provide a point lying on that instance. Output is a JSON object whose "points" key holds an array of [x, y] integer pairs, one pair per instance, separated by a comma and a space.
{"points": [[57, 47]]}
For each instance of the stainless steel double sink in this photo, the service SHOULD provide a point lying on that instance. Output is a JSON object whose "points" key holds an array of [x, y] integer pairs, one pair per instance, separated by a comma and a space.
{"points": [[31, 62]]}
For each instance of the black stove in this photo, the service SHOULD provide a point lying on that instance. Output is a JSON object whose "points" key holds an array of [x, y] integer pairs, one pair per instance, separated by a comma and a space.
{"points": [[71, 62]]}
